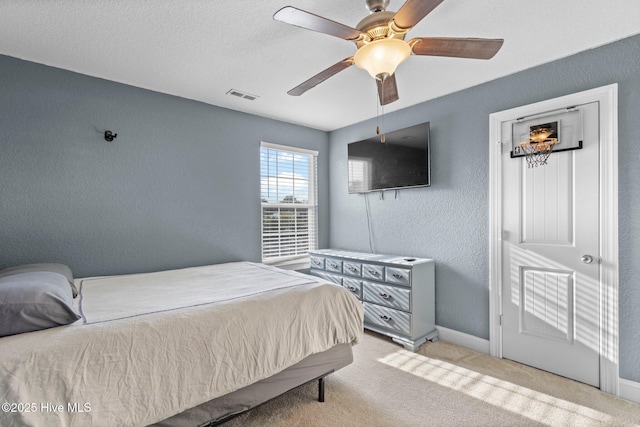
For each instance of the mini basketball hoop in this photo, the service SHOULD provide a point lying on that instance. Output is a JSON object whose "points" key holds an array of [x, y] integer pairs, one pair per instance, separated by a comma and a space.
{"points": [[539, 146]]}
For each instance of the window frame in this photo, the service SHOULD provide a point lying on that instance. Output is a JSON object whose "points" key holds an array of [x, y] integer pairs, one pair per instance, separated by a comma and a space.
{"points": [[299, 260]]}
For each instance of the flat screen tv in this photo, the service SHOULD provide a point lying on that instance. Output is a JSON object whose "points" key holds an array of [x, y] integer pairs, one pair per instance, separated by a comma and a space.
{"points": [[402, 161]]}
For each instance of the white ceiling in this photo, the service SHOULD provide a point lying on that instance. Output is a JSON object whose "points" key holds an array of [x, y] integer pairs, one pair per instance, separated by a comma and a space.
{"points": [[200, 49]]}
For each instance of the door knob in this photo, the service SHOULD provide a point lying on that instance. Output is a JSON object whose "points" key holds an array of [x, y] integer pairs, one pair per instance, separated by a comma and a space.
{"points": [[587, 259]]}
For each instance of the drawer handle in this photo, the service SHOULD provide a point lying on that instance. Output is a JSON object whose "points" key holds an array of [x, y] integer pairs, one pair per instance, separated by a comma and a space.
{"points": [[352, 288], [333, 265], [398, 276], [384, 295], [385, 317], [373, 272], [352, 269]]}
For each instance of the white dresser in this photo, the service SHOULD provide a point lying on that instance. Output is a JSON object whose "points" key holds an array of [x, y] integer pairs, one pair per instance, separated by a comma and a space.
{"points": [[398, 293]]}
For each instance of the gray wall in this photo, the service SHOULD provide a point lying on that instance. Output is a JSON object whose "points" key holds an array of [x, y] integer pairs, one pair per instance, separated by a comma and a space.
{"points": [[178, 187], [449, 221]]}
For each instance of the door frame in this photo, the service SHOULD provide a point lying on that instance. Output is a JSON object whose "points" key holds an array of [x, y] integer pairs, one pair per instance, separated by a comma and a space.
{"points": [[607, 96]]}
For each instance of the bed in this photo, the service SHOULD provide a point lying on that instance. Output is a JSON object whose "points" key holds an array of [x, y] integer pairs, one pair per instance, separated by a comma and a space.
{"points": [[192, 347]]}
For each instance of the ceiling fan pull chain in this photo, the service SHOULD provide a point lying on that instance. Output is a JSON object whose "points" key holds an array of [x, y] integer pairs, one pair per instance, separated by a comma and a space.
{"points": [[377, 116], [382, 137]]}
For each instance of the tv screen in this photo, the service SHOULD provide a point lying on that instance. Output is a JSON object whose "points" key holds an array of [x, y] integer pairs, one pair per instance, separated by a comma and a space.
{"points": [[402, 161]]}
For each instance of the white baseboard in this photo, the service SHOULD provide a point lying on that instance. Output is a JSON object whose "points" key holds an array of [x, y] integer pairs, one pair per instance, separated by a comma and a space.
{"points": [[465, 340], [629, 390]]}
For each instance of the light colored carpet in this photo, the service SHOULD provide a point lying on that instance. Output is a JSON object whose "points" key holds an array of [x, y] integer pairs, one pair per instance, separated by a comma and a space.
{"points": [[441, 385]]}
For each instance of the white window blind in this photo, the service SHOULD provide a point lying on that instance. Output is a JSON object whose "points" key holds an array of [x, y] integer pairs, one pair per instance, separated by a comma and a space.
{"points": [[288, 188]]}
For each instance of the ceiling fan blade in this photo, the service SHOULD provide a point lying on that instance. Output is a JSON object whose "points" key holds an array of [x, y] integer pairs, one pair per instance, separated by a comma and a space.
{"points": [[301, 18], [456, 47], [413, 11], [387, 90], [321, 76]]}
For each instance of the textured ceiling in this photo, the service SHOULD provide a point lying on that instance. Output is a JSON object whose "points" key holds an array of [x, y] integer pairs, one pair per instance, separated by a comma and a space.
{"points": [[200, 49]]}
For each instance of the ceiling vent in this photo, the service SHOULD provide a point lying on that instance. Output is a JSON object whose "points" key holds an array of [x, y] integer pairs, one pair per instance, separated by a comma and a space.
{"points": [[240, 94]]}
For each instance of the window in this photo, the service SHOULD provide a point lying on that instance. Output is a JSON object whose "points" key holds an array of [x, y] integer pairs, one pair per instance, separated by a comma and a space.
{"points": [[289, 204]]}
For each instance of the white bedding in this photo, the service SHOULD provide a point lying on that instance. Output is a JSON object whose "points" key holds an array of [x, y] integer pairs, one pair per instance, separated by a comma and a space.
{"points": [[211, 330]]}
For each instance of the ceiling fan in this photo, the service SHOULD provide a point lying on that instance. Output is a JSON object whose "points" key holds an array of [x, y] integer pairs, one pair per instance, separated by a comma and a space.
{"points": [[379, 38]]}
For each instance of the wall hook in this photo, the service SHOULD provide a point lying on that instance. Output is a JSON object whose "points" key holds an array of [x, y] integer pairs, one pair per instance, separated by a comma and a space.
{"points": [[108, 136]]}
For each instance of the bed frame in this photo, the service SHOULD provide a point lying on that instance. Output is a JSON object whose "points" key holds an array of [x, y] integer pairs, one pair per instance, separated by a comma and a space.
{"points": [[222, 409]]}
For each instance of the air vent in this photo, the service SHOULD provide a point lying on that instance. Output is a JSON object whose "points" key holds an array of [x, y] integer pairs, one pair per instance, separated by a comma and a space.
{"points": [[240, 94]]}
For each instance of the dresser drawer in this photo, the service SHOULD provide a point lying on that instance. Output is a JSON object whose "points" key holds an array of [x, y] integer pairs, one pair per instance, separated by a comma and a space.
{"points": [[353, 285], [389, 318], [401, 276], [334, 265], [373, 271], [333, 278], [352, 268], [389, 296], [316, 262]]}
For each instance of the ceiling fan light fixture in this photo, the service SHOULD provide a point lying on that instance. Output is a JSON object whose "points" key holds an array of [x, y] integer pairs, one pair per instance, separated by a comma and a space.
{"points": [[382, 57]]}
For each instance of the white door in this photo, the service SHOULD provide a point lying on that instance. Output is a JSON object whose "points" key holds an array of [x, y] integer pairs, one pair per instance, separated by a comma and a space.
{"points": [[550, 267]]}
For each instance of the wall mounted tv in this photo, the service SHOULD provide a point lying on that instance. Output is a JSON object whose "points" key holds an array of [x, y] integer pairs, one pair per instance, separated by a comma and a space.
{"points": [[402, 161]]}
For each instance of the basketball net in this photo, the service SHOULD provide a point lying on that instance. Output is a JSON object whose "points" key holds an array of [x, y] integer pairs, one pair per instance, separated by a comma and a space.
{"points": [[538, 148]]}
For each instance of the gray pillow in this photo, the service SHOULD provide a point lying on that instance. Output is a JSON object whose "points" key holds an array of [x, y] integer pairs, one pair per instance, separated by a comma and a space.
{"points": [[33, 301], [49, 266]]}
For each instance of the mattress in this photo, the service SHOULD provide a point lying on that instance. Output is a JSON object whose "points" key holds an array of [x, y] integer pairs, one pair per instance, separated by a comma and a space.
{"points": [[149, 346]]}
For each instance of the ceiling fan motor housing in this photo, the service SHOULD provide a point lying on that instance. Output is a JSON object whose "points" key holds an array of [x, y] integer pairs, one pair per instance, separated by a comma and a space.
{"points": [[377, 5], [376, 26]]}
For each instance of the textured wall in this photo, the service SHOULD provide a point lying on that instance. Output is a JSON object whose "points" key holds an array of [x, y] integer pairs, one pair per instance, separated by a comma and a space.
{"points": [[179, 186], [449, 221]]}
